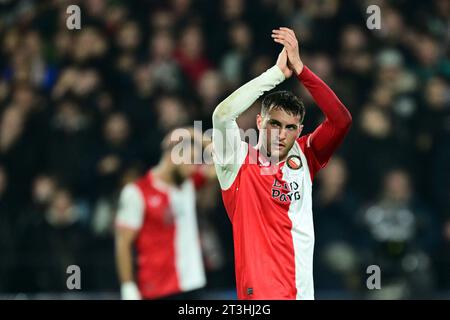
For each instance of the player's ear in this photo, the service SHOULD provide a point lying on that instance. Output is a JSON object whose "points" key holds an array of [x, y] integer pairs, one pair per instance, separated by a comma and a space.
{"points": [[165, 143], [259, 121], [300, 129]]}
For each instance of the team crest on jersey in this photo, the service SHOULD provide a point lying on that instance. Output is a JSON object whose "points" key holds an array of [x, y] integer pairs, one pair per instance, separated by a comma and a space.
{"points": [[294, 162], [154, 201]]}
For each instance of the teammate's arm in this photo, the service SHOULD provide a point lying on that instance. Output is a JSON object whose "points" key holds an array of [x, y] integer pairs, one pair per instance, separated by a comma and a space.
{"points": [[229, 150], [330, 133], [128, 222], [124, 261]]}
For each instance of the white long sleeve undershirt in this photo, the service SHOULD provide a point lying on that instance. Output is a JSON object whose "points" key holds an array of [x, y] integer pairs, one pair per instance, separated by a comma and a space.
{"points": [[229, 151]]}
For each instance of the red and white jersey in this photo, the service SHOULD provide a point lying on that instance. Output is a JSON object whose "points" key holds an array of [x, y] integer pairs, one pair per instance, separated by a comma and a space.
{"points": [[273, 226], [169, 258], [271, 210]]}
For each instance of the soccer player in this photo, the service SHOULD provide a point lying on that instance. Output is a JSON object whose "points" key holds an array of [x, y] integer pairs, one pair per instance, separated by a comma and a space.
{"points": [[157, 215], [271, 212]]}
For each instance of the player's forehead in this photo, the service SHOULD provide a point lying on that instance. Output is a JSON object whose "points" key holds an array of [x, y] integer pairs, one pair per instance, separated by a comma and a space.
{"points": [[282, 116]]}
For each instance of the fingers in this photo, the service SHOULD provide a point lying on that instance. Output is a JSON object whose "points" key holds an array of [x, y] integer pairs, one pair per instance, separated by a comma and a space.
{"points": [[282, 59], [281, 41], [290, 31], [277, 36], [286, 31], [283, 54], [285, 37], [292, 39], [284, 41]]}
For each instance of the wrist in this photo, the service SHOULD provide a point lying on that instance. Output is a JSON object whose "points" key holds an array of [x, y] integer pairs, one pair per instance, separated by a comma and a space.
{"points": [[298, 67], [278, 72]]}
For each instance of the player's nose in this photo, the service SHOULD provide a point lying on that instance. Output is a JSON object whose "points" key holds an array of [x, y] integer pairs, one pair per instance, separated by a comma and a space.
{"points": [[282, 134]]}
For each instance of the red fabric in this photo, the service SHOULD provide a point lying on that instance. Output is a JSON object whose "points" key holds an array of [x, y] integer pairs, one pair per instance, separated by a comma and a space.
{"points": [[313, 164], [263, 245], [193, 68], [258, 205], [199, 178], [155, 244], [329, 134]]}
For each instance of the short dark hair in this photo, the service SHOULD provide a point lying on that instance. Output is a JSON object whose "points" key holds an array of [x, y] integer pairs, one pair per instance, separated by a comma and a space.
{"points": [[284, 100]]}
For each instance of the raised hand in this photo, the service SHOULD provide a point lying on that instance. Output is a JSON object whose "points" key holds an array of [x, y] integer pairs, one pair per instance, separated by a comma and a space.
{"points": [[287, 38], [282, 63]]}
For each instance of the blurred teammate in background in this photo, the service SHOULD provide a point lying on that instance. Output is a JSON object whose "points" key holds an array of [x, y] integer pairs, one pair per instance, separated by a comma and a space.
{"points": [[157, 216], [271, 210]]}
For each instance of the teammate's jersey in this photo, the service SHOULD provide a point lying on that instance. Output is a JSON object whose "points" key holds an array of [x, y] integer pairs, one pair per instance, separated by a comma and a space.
{"points": [[169, 258], [271, 211]]}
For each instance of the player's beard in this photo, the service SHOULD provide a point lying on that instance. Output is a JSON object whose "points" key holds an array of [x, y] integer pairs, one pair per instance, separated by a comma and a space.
{"points": [[177, 176]]}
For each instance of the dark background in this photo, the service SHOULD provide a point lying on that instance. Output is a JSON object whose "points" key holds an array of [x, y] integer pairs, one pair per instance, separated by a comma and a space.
{"points": [[82, 112]]}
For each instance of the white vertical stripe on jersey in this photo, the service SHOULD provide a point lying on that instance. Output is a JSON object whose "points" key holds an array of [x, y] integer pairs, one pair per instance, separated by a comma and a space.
{"points": [[300, 214], [188, 255]]}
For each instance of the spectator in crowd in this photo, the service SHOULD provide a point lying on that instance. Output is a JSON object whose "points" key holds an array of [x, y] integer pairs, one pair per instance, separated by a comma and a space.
{"points": [[400, 238], [336, 230]]}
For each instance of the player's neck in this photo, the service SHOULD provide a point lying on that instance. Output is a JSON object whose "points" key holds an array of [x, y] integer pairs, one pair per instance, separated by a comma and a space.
{"points": [[164, 172]]}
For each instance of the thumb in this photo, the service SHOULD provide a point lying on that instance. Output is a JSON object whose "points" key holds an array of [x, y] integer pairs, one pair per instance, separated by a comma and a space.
{"points": [[282, 57]]}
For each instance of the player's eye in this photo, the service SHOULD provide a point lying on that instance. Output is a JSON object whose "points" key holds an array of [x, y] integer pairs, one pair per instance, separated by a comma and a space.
{"points": [[274, 124]]}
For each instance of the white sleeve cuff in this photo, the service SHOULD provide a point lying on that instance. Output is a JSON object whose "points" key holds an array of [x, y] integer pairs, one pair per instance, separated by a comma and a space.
{"points": [[129, 291]]}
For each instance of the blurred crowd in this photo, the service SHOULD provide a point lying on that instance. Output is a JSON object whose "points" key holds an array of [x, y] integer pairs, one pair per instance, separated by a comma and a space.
{"points": [[82, 112]]}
